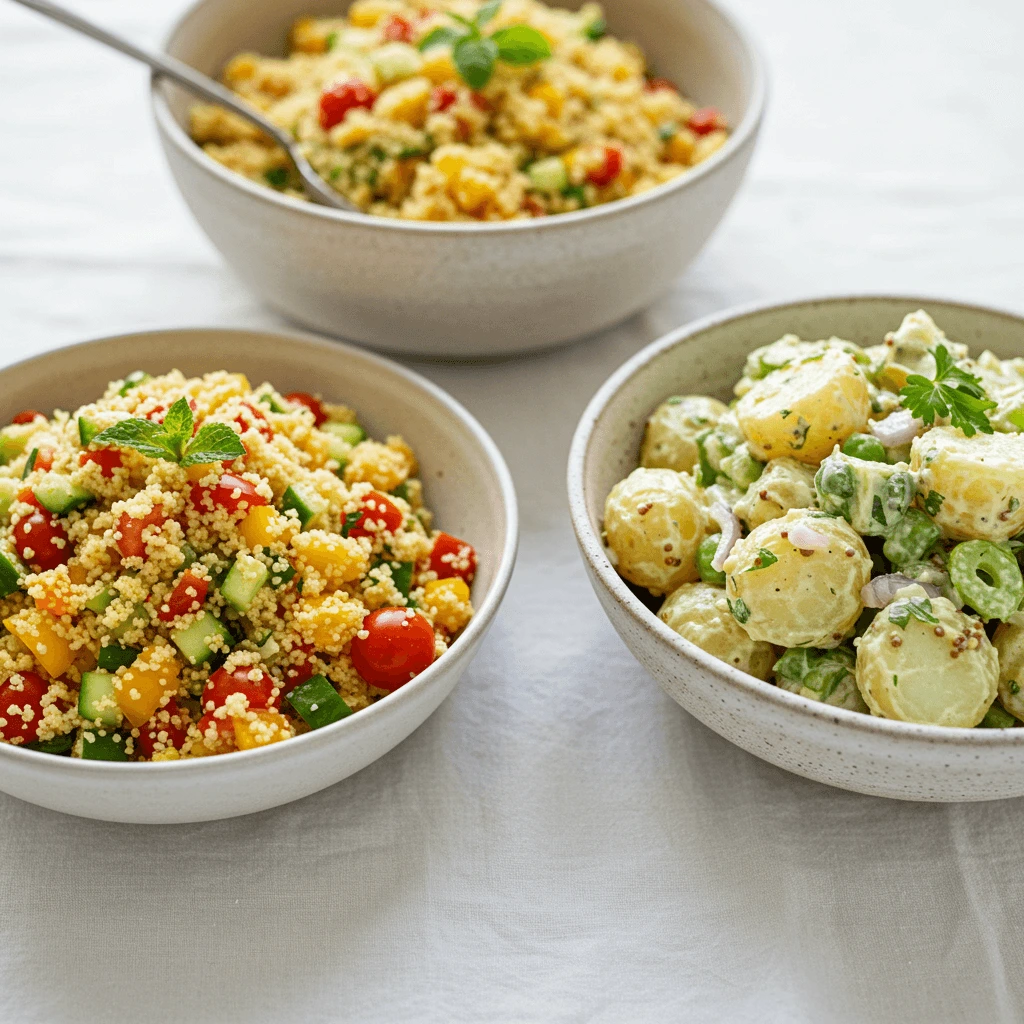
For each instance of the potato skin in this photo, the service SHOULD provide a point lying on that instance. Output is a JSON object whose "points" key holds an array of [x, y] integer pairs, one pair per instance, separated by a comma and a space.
{"points": [[654, 520], [785, 484], [670, 436], [908, 673], [806, 409], [700, 613], [802, 599]]}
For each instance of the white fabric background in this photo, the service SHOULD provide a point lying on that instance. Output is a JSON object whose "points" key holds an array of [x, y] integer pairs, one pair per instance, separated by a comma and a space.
{"points": [[560, 842]]}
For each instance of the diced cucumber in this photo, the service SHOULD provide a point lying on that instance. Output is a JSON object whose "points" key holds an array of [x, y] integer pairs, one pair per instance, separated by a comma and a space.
{"points": [[137, 617], [57, 494], [394, 61], [8, 492], [114, 656], [339, 451], [30, 463], [133, 380], [318, 703], [271, 402], [97, 701], [102, 745], [188, 556], [402, 577], [58, 745], [87, 430], [350, 433], [10, 574], [11, 445], [192, 640], [306, 502], [281, 572], [102, 601], [548, 175], [269, 649], [243, 582]]}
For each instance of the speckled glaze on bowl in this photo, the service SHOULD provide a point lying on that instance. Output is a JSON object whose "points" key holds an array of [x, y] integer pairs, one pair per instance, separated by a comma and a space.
{"points": [[837, 747], [467, 290], [465, 481]]}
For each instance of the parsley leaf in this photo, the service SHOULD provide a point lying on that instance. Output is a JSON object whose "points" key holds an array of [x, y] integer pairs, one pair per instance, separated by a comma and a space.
{"points": [[920, 607], [933, 502], [739, 609], [954, 393], [763, 560]]}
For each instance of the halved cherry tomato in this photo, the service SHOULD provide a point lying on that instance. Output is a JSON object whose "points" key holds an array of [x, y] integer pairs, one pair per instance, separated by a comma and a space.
{"points": [[27, 416], [311, 402], [108, 459], [27, 497], [255, 420], [609, 168], [41, 541], [188, 595], [480, 102], [339, 99], [442, 97], [130, 543], [24, 690], [222, 684], [300, 672], [654, 84], [453, 557], [225, 726], [399, 644], [377, 510], [397, 30], [43, 459], [162, 728], [705, 120], [230, 492]]}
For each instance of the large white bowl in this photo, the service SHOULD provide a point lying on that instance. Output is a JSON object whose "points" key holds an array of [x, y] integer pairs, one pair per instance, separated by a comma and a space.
{"points": [[837, 747], [466, 483], [466, 290]]}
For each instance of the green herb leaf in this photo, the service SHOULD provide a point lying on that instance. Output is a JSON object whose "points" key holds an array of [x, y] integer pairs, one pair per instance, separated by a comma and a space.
{"points": [[918, 607], [350, 521], [30, 463], [521, 45], [276, 177], [214, 442], [178, 424], [763, 560], [332, 41], [475, 57], [443, 36], [133, 380], [933, 502], [596, 29], [954, 393], [739, 609], [147, 438], [487, 12]]}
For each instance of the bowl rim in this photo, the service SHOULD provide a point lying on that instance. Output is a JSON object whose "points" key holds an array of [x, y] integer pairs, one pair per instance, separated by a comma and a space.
{"points": [[743, 134], [34, 760], [602, 570]]}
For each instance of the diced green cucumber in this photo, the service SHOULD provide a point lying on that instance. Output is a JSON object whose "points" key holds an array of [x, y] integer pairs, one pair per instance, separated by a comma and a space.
{"points": [[58, 745], [402, 577], [350, 433], [11, 445], [133, 380], [281, 572], [243, 582], [30, 463], [8, 492], [10, 574], [402, 490], [137, 617], [114, 656], [57, 494], [318, 703], [102, 601], [188, 556], [87, 430], [97, 701], [102, 745], [306, 502], [271, 402], [548, 175], [339, 451], [192, 640]]}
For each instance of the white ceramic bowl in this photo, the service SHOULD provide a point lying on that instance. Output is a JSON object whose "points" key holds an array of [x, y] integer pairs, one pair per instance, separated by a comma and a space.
{"points": [[467, 290], [837, 747], [466, 483]]}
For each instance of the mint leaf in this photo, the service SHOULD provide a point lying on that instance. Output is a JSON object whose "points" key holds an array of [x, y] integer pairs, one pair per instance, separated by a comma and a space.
{"points": [[521, 45], [214, 442], [178, 424], [487, 12], [146, 438], [462, 20], [444, 36], [475, 57]]}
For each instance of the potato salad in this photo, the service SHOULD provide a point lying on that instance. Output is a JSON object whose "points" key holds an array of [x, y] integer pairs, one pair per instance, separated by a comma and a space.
{"points": [[850, 527]]}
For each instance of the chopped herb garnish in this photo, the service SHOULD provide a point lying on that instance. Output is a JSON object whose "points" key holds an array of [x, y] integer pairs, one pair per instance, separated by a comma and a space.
{"points": [[763, 560], [954, 393], [597, 29], [895, 679], [276, 177], [933, 502], [350, 521], [30, 463], [1014, 687], [918, 607], [739, 609], [331, 41], [576, 192]]}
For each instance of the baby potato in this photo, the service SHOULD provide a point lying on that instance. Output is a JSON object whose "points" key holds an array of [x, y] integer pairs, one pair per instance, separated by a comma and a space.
{"points": [[784, 484], [1008, 641], [670, 438], [700, 613], [807, 409], [785, 353], [973, 487], [798, 597], [923, 661], [909, 350], [654, 521]]}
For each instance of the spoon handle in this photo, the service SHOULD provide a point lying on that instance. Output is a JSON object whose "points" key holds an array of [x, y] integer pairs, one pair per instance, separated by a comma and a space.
{"points": [[196, 82]]}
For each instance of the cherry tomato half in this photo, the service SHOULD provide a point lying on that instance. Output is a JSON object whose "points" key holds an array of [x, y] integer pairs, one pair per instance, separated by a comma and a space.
{"points": [[705, 120], [399, 644], [442, 97], [130, 543], [27, 416], [397, 30], [654, 84], [339, 99], [453, 557], [188, 595], [108, 459], [225, 728], [24, 690], [41, 541], [222, 684], [299, 672], [230, 492], [608, 170], [311, 402], [168, 727], [253, 419], [379, 515]]}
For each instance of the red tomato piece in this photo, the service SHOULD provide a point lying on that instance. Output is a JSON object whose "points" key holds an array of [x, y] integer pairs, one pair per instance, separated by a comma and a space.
{"points": [[25, 691], [167, 727], [27, 497], [339, 99], [131, 544], [255, 420], [533, 206], [225, 726], [41, 541], [377, 510], [108, 459], [397, 30], [188, 595], [311, 402], [230, 492], [222, 684], [480, 102], [27, 416], [654, 84], [299, 672], [442, 97], [399, 644], [705, 120], [453, 557], [608, 170]]}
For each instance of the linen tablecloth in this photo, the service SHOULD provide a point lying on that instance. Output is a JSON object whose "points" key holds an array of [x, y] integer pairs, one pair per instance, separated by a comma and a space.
{"points": [[560, 842]]}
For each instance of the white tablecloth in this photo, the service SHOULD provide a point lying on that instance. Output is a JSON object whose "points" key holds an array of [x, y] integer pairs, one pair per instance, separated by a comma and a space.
{"points": [[560, 842]]}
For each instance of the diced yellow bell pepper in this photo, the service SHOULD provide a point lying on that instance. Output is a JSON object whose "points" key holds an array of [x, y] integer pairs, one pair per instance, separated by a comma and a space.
{"points": [[438, 65], [328, 621], [448, 601], [151, 677], [456, 587], [267, 727], [552, 97], [407, 101], [337, 559], [366, 13], [679, 148], [37, 631], [262, 526]]}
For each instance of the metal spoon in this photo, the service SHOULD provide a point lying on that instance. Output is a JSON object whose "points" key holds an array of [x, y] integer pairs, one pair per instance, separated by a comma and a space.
{"points": [[195, 81]]}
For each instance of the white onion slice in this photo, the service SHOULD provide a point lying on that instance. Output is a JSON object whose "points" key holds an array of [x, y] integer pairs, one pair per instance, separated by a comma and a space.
{"points": [[881, 591], [731, 532], [718, 494], [806, 538], [899, 428]]}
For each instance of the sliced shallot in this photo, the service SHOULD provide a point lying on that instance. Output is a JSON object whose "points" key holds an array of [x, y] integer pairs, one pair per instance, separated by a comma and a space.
{"points": [[806, 538], [881, 591], [897, 429], [731, 532]]}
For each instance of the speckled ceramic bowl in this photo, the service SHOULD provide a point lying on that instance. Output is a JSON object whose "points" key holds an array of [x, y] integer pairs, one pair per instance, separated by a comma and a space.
{"points": [[467, 290], [837, 747], [466, 484]]}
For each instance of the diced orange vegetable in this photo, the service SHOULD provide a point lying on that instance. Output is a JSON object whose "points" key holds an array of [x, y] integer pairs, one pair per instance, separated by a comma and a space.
{"points": [[261, 526], [267, 727], [439, 588], [36, 630], [448, 601], [153, 676], [328, 621], [338, 559]]}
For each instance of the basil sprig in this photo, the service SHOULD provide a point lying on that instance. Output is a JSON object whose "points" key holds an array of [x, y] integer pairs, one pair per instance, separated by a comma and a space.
{"points": [[172, 440], [476, 54]]}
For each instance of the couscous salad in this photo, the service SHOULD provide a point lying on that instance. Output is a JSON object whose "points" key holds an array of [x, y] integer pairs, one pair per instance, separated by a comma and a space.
{"points": [[191, 567], [460, 110], [851, 527]]}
